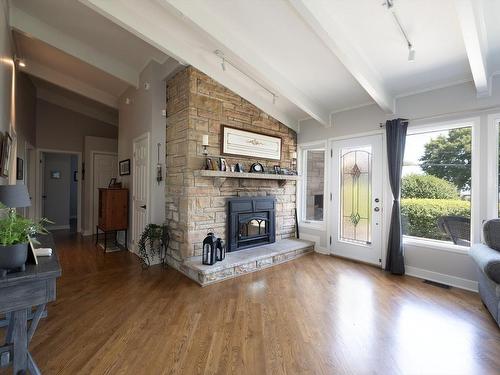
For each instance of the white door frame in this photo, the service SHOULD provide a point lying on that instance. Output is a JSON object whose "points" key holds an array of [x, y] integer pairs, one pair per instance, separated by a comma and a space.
{"points": [[39, 182], [91, 192], [143, 136], [386, 195], [30, 158]]}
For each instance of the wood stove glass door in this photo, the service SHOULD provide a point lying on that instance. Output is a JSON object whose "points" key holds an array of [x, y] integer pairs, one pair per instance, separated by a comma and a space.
{"points": [[356, 205]]}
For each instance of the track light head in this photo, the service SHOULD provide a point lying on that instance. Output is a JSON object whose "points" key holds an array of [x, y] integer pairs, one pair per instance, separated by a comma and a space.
{"points": [[411, 53]]}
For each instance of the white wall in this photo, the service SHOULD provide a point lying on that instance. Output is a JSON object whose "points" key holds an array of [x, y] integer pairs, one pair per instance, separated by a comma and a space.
{"points": [[450, 103], [144, 114]]}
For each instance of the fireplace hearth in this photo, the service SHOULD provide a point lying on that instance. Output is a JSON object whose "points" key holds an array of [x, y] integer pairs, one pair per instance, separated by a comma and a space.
{"points": [[251, 222]]}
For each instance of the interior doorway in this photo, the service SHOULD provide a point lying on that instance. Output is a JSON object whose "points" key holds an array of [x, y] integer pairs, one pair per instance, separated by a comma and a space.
{"points": [[140, 187], [59, 189]]}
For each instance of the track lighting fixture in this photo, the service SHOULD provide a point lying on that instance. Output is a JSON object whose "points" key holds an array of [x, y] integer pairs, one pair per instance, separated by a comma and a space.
{"points": [[225, 61], [411, 53]]}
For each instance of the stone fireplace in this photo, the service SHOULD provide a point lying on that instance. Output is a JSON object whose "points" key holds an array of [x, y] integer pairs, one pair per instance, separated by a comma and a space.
{"points": [[250, 222], [197, 202]]}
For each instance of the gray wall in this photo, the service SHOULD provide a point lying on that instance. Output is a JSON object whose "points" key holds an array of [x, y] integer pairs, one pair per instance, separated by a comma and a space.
{"points": [[58, 191], [450, 103], [93, 144], [59, 128]]}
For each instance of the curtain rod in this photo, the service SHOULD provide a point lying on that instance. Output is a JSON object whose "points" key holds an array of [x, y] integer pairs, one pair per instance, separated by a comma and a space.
{"points": [[465, 111]]}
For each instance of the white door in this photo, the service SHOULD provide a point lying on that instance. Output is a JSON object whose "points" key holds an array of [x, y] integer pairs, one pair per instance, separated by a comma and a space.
{"points": [[356, 206], [104, 168], [140, 187]]}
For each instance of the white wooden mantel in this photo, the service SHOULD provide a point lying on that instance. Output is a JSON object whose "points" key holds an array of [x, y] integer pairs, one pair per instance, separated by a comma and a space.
{"points": [[221, 176]]}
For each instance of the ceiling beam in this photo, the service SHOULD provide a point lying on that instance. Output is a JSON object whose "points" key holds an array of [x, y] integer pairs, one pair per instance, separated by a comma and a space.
{"points": [[471, 20], [167, 31], [256, 66], [313, 13], [69, 83], [34, 28]]}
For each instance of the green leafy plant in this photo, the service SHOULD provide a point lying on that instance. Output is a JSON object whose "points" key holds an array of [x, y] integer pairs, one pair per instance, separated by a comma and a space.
{"points": [[427, 186], [420, 216], [15, 229], [152, 239]]}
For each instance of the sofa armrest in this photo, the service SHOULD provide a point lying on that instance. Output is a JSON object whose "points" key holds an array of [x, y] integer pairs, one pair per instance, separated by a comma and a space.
{"points": [[488, 260]]}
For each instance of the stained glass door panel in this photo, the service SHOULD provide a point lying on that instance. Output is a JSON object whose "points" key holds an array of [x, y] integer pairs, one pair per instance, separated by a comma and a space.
{"points": [[356, 194]]}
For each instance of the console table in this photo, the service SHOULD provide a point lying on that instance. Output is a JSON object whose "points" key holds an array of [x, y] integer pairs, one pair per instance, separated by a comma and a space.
{"points": [[23, 297]]}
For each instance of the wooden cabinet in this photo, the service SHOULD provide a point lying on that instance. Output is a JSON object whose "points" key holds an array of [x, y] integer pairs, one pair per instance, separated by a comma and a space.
{"points": [[113, 209]]}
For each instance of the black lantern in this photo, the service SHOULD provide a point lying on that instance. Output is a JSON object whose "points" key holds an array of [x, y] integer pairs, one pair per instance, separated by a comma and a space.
{"points": [[209, 249], [221, 250]]}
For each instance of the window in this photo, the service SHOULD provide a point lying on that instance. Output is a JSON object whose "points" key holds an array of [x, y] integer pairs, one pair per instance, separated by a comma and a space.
{"points": [[436, 185], [313, 189]]}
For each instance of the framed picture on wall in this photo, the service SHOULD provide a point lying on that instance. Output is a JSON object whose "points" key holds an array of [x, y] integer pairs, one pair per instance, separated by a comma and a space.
{"points": [[238, 142], [19, 169], [124, 167], [5, 154]]}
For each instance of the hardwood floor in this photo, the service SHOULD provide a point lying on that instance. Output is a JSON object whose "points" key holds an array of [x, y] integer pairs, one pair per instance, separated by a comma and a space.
{"points": [[315, 315]]}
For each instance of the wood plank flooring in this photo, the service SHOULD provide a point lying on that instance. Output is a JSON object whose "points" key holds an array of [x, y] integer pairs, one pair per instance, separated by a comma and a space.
{"points": [[315, 315]]}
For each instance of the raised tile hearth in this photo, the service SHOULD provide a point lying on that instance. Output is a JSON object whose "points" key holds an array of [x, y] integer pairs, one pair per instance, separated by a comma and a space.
{"points": [[245, 261]]}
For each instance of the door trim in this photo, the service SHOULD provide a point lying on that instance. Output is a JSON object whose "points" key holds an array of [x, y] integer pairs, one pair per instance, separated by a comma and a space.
{"points": [[91, 192], [39, 182], [385, 192], [147, 136]]}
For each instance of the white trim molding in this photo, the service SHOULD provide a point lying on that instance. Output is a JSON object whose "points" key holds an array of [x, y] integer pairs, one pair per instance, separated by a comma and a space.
{"points": [[442, 278]]}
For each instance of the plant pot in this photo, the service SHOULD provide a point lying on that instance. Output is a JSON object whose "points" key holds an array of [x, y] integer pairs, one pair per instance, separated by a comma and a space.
{"points": [[13, 257]]}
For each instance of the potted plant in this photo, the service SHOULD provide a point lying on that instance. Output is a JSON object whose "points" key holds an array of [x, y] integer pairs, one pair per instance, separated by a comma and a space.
{"points": [[15, 232]]}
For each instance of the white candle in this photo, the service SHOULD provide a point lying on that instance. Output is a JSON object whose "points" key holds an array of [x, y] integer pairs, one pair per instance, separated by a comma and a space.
{"points": [[204, 142]]}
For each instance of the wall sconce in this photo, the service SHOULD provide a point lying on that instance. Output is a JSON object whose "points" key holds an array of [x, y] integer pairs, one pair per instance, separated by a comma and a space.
{"points": [[204, 143]]}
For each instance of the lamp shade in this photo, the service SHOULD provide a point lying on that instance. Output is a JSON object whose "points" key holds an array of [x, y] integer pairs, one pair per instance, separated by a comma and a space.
{"points": [[14, 196]]}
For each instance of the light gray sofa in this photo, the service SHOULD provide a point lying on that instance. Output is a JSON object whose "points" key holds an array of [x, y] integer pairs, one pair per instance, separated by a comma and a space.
{"points": [[488, 263]]}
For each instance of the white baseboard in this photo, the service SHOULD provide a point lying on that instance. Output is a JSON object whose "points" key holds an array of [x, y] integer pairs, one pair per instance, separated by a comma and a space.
{"points": [[322, 250], [442, 278], [57, 227]]}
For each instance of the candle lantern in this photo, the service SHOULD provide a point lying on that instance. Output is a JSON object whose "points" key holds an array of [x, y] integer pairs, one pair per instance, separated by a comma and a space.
{"points": [[221, 250], [209, 255]]}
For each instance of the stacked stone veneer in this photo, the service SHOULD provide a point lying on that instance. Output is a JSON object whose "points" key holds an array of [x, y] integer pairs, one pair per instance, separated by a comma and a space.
{"points": [[197, 105]]}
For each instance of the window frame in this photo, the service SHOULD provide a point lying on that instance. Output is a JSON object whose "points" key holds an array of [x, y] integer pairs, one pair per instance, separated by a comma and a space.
{"points": [[473, 123], [493, 180], [302, 188]]}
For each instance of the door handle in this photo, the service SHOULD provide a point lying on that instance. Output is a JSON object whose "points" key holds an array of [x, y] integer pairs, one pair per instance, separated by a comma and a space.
{"points": [[143, 206]]}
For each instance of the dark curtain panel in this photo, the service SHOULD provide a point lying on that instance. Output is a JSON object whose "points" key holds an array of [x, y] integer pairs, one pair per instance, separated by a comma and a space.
{"points": [[396, 139]]}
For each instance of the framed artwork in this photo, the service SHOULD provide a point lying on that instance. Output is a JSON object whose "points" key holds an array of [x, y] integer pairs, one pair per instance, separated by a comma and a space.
{"points": [[5, 155], [112, 182], [237, 142], [124, 167], [19, 169]]}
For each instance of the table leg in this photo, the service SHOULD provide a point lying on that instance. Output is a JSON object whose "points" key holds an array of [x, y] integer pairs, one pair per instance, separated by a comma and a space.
{"points": [[96, 235], [19, 341], [34, 370], [126, 239]]}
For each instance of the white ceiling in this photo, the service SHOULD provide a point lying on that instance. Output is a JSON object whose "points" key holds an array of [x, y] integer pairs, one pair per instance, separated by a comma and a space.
{"points": [[69, 45], [318, 56], [34, 50], [74, 19]]}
